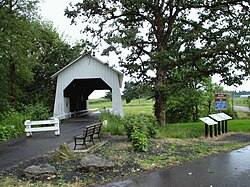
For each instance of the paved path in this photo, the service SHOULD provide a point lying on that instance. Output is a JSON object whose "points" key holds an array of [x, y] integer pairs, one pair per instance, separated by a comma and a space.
{"points": [[19, 149], [243, 108], [227, 169]]}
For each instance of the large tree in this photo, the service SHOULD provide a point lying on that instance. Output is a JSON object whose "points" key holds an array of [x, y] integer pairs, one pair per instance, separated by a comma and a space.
{"points": [[16, 47], [160, 35], [30, 52], [53, 53]]}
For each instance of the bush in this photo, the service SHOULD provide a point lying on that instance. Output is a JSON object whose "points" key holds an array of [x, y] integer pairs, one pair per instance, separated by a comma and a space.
{"points": [[142, 122], [114, 125], [139, 128], [12, 121], [36, 112], [11, 124], [139, 140]]}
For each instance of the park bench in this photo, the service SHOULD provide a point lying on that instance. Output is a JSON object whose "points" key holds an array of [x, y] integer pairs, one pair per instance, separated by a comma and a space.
{"points": [[91, 131], [42, 126]]}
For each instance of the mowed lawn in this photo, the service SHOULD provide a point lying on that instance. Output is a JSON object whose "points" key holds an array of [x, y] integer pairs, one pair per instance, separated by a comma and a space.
{"points": [[136, 106]]}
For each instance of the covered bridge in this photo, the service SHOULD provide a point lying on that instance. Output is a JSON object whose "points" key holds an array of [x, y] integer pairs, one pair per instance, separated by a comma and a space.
{"points": [[77, 80]]}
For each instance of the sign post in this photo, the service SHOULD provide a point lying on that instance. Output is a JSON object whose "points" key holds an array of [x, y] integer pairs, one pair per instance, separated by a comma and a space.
{"points": [[220, 101]]}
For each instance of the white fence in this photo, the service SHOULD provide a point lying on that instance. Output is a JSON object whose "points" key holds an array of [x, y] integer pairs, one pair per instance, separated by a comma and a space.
{"points": [[81, 112], [42, 125]]}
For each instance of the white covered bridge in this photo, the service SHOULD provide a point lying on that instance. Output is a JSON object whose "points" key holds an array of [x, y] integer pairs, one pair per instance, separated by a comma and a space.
{"points": [[77, 80]]}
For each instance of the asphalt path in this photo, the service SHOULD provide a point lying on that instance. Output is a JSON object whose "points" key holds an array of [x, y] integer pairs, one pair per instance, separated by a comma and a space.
{"points": [[230, 169], [243, 108], [20, 149]]}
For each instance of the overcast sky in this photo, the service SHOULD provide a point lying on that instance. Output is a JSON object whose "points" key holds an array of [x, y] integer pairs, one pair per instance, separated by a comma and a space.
{"points": [[53, 10]]}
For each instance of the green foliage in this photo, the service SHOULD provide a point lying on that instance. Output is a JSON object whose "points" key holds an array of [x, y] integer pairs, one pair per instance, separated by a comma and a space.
{"points": [[38, 111], [171, 39], [108, 96], [134, 90], [114, 125], [11, 124], [141, 122], [30, 52], [12, 121], [139, 140]]}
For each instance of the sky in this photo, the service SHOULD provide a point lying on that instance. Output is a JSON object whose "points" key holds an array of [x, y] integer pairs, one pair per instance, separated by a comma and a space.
{"points": [[53, 10]]}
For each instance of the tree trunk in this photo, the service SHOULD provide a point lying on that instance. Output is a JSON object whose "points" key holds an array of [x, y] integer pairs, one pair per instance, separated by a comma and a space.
{"points": [[209, 107], [160, 97]]}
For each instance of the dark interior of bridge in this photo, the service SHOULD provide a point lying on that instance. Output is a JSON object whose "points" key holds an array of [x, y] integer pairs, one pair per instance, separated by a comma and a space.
{"points": [[79, 90]]}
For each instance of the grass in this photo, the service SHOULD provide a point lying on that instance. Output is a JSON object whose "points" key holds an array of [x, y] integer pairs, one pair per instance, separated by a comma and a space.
{"points": [[139, 106], [182, 130], [243, 114], [240, 101], [239, 126], [196, 130], [136, 106]]}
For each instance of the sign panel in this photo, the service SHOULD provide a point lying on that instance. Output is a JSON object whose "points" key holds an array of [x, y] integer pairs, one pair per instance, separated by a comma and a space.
{"points": [[216, 117], [208, 121], [225, 116], [220, 101]]}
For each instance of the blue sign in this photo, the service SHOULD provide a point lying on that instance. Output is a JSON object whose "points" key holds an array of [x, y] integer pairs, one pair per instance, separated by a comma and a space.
{"points": [[220, 105]]}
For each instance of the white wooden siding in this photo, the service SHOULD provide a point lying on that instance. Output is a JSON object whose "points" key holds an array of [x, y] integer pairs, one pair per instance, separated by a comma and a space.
{"points": [[87, 67]]}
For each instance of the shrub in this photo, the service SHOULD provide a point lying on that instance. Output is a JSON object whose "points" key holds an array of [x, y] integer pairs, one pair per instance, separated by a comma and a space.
{"points": [[11, 124], [139, 140], [142, 122], [12, 121], [36, 112], [114, 125]]}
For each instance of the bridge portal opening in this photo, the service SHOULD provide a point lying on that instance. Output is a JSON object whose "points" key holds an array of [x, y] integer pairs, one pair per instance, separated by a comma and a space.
{"points": [[77, 92]]}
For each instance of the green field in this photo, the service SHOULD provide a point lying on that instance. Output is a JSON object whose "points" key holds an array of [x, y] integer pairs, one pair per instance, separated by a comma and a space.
{"points": [[136, 106], [239, 101]]}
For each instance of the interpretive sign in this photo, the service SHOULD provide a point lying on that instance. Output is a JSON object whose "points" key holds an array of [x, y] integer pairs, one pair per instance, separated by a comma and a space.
{"points": [[208, 121], [220, 101], [225, 116], [216, 117]]}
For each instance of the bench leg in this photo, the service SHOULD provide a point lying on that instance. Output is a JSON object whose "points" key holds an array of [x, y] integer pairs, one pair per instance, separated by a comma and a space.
{"points": [[91, 139], [98, 136], [75, 144], [83, 142]]}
